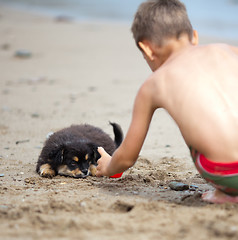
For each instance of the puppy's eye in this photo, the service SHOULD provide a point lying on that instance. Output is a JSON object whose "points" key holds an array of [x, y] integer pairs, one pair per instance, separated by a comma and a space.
{"points": [[73, 163], [76, 159]]}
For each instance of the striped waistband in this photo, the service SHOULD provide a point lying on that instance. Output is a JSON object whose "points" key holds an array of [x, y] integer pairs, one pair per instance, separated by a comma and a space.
{"points": [[217, 168]]}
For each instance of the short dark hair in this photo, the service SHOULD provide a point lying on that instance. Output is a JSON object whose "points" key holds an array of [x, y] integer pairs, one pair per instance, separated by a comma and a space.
{"points": [[158, 20]]}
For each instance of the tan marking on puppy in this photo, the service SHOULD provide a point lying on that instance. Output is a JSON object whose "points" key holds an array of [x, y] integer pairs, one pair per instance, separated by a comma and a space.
{"points": [[46, 171], [63, 170], [93, 170], [86, 157], [76, 172], [76, 159]]}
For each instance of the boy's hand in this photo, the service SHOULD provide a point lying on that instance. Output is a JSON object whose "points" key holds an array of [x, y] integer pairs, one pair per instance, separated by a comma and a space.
{"points": [[103, 163]]}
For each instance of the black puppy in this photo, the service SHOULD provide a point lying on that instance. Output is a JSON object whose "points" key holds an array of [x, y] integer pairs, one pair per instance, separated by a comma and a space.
{"points": [[73, 151]]}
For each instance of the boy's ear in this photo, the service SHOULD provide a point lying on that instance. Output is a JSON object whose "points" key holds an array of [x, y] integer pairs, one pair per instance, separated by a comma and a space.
{"points": [[195, 39], [147, 49]]}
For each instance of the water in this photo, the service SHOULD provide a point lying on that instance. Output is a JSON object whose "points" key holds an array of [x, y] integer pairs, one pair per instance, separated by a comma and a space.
{"points": [[218, 18], [100, 10], [212, 18]]}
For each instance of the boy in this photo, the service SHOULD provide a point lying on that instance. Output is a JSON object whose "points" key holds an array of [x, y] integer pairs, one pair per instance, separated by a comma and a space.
{"points": [[198, 87]]}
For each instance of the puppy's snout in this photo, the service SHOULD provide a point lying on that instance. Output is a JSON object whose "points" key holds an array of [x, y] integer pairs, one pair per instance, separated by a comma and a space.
{"points": [[85, 171]]}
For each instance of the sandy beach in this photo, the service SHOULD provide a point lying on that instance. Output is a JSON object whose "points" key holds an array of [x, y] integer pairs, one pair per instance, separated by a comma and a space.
{"points": [[56, 72]]}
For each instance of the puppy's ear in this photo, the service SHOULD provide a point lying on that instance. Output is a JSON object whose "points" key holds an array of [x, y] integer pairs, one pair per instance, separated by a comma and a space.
{"points": [[58, 156], [94, 150]]}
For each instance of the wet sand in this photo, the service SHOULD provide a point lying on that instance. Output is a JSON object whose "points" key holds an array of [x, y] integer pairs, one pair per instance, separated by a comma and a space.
{"points": [[73, 73]]}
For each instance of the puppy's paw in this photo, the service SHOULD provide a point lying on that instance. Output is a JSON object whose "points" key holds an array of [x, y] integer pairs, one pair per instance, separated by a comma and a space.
{"points": [[92, 170], [64, 170], [46, 171]]}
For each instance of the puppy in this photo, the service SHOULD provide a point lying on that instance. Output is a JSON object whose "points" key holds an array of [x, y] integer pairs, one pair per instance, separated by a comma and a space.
{"points": [[73, 151]]}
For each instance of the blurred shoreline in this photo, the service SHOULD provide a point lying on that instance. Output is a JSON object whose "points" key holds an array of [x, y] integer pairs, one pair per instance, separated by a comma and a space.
{"points": [[218, 20]]}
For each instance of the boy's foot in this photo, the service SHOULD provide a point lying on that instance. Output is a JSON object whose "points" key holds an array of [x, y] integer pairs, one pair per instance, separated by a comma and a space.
{"points": [[218, 197]]}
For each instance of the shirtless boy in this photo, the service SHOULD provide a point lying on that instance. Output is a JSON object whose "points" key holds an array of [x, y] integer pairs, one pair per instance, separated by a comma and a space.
{"points": [[197, 85]]}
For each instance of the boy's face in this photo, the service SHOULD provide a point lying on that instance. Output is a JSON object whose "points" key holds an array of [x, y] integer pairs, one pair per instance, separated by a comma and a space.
{"points": [[155, 56], [149, 62]]}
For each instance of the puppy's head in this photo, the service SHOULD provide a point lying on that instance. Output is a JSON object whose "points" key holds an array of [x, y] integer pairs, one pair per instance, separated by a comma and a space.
{"points": [[78, 159]]}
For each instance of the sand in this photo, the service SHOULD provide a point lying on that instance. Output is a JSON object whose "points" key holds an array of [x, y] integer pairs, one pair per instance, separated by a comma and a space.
{"points": [[89, 73]]}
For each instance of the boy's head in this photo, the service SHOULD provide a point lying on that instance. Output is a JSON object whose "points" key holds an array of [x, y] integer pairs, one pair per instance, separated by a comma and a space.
{"points": [[160, 20]]}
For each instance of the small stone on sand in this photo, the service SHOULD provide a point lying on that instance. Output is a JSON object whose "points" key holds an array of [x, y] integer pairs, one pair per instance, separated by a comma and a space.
{"points": [[178, 186]]}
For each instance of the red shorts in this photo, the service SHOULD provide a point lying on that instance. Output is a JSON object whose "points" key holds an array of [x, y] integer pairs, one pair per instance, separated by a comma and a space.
{"points": [[223, 176]]}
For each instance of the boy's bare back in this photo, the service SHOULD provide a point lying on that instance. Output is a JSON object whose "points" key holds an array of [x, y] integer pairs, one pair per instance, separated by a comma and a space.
{"points": [[197, 86]]}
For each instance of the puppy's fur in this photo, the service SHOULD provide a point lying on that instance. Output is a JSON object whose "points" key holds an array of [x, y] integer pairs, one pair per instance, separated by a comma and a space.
{"points": [[73, 151]]}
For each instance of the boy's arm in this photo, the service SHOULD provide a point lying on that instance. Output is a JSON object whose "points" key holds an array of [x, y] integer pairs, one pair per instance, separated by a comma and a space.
{"points": [[126, 155]]}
